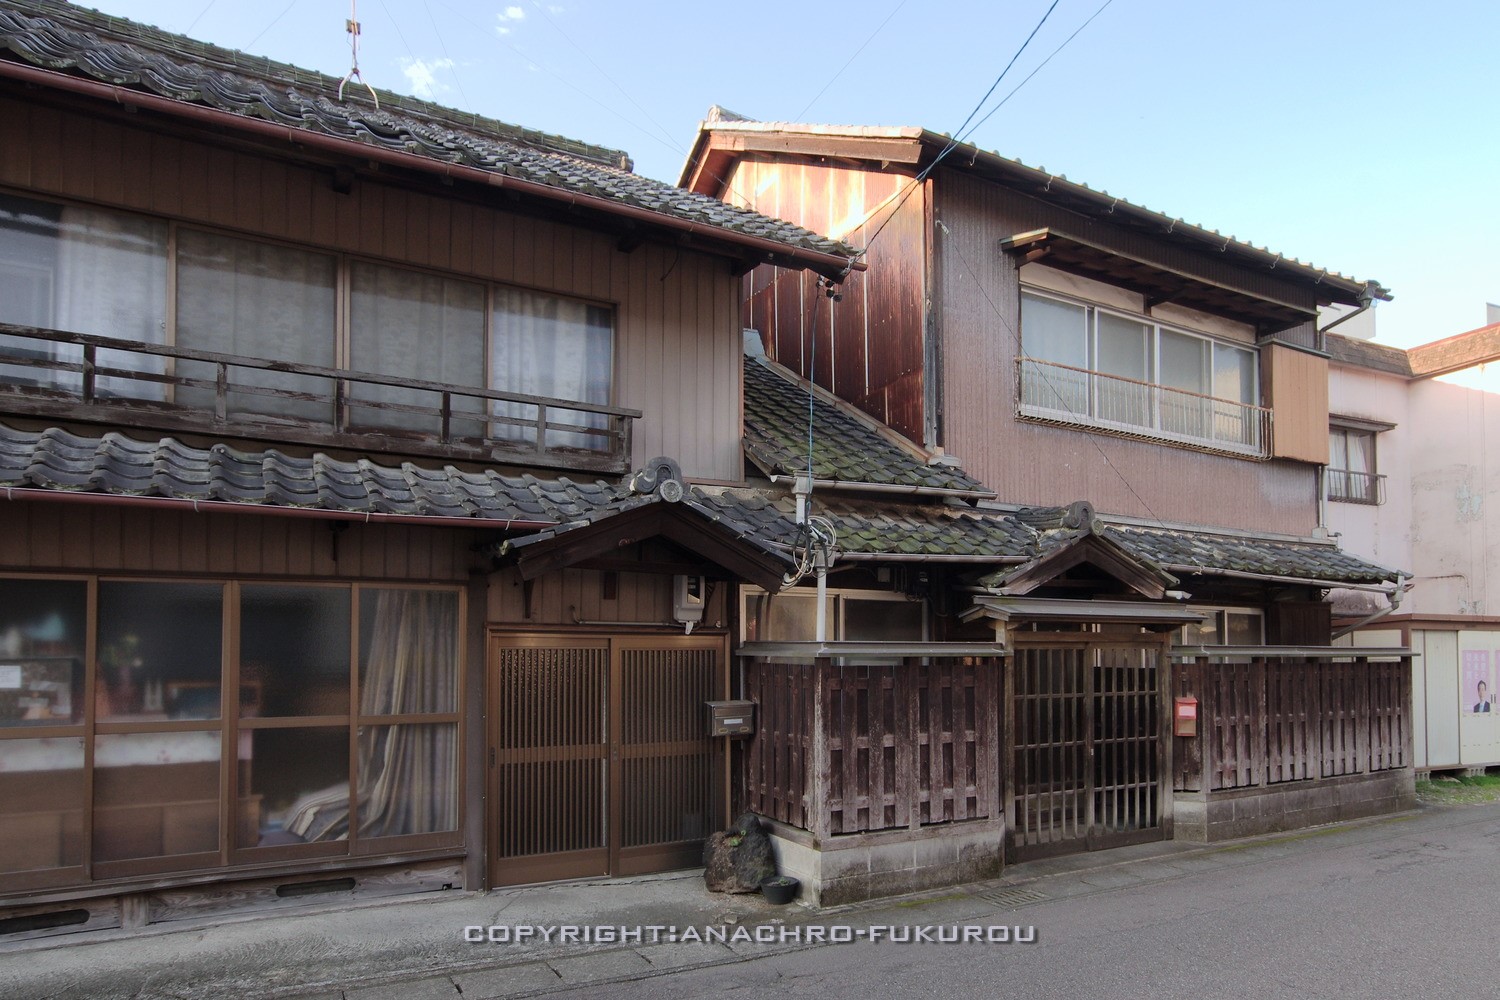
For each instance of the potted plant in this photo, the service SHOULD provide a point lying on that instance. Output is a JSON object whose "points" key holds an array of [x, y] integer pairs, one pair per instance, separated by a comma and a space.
{"points": [[780, 889]]}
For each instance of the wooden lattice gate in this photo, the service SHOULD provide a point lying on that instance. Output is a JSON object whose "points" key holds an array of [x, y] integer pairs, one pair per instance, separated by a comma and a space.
{"points": [[601, 761], [1085, 746]]}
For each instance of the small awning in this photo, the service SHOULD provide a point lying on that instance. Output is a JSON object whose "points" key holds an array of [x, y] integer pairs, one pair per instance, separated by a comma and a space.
{"points": [[1158, 282], [1027, 609], [812, 650]]}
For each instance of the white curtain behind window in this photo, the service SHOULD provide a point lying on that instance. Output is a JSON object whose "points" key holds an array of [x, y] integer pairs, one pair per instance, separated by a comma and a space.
{"points": [[417, 326], [256, 300], [83, 270], [549, 346]]}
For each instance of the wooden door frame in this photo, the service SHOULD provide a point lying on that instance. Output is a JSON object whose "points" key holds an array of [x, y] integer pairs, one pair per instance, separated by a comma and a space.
{"points": [[613, 858]]}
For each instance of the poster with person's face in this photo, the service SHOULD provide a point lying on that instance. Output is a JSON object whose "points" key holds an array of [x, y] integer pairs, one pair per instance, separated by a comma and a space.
{"points": [[1478, 690]]}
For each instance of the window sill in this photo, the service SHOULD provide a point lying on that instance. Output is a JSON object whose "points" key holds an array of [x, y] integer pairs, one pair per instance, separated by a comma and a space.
{"points": [[1062, 418]]}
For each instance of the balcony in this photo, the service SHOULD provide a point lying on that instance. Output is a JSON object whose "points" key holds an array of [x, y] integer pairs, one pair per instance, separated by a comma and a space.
{"points": [[1062, 394], [1355, 487], [51, 374]]}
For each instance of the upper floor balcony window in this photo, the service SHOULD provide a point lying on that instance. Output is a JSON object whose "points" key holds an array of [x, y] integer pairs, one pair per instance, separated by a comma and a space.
{"points": [[143, 321], [1086, 365], [1351, 475]]}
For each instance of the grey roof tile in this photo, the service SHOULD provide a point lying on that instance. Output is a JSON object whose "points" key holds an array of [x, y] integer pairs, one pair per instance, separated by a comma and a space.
{"points": [[80, 41], [846, 445]]}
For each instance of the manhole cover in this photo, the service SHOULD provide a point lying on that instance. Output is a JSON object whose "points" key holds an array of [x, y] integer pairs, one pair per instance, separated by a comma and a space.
{"points": [[1012, 897]]}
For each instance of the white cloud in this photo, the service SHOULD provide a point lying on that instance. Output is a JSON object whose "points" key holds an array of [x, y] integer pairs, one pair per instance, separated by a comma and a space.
{"points": [[422, 76], [508, 17]]}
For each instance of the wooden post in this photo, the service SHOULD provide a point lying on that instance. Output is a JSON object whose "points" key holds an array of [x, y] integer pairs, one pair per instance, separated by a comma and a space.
{"points": [[1207, 713], [818, 822], [447, 429], [1166, 771], [88, 373], [221, 392]]}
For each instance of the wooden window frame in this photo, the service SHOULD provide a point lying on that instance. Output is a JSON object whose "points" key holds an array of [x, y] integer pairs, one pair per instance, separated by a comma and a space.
{"points": [[228, 857]]}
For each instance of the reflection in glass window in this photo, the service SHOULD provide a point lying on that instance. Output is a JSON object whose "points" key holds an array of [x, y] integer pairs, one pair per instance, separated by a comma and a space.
{"points": [[42, 643], [41, 803], [408, 779], [156, 794], [81, 270], [160, 651], [294, 650], [294, 787]]}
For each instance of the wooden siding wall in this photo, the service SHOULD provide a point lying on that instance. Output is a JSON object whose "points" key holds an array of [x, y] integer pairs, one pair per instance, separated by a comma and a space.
{"points": [[678, 342], [888, 747], [979, 333], [1297, 393], [869, 346], [563, 597], [1266, 722], [42, 536]]}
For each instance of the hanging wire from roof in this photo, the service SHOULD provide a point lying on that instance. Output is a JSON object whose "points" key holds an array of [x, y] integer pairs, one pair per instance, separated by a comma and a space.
{"points": [[352, 26]]}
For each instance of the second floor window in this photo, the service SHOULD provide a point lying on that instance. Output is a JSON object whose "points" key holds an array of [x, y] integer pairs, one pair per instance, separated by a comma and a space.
{"points": [[1351, 474], [1087, 365], [81, 270]]}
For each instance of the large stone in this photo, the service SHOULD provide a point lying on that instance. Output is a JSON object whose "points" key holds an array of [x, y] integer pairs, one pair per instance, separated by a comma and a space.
{"points": [[739, 859]]}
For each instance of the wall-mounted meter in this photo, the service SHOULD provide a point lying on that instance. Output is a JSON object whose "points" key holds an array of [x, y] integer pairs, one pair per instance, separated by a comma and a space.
{"points": [[689, 593]]}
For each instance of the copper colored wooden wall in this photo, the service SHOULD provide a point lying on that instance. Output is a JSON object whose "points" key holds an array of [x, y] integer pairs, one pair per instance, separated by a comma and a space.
{"points": [[978, 328], [868, 347], [678, 340], [1267, 722], [1297, 393], [43, 536]]}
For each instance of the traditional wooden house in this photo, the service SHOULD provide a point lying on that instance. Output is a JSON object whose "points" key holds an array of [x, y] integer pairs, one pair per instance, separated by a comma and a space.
{"points": [[1149, 400], [278, 373]]}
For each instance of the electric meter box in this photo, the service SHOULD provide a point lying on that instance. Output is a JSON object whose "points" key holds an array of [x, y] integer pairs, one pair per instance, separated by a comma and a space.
{"points": [[731, 718]]}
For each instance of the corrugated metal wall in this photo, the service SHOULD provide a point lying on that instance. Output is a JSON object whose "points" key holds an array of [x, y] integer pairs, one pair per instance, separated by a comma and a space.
{"points": [[678, 341]]}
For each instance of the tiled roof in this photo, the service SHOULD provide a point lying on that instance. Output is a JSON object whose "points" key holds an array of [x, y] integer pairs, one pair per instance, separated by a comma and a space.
{"points": [[1194, 551], [1368, 354], [1074, 194], [54, 459], [847, 446], [80, 42], [1456, 353], [116, 465]]}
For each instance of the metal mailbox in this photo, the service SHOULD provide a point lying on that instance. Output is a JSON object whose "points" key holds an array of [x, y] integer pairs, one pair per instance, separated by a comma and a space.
{"points": [[731, 718], [1185, 716]]}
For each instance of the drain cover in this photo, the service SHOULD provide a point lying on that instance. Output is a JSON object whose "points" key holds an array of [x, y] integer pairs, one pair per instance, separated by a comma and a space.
{"points": [[1012, 897]]}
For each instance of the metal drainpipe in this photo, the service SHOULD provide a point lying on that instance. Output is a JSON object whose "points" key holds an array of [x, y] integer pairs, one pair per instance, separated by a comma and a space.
{"points": [[1395, 603], [1366, 300]]}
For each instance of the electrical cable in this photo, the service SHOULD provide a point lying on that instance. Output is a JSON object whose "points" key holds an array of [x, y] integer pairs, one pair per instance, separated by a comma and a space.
{"points": [[274, 21], [850, 61]]}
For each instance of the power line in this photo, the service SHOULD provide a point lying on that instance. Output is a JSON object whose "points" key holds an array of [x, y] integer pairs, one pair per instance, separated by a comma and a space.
{"points": [[958, 133], [846, 65], [274, 21], [194, 22], [1021, 350], [452, 66]]}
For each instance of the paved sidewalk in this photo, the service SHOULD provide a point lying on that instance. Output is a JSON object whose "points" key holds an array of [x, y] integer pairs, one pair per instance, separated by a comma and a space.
{"points": [[413, 948]]}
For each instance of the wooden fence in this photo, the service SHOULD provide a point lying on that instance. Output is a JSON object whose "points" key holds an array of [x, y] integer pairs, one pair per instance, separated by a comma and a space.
{"points": [[894, 746], [1273, 720]]}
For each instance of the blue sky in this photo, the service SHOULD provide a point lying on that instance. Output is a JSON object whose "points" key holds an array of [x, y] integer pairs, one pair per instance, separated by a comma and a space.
{"points": [[1359, 136]]}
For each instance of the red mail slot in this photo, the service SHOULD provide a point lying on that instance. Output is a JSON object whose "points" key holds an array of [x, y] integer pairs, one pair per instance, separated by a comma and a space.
{"points": [[1185, 716]]}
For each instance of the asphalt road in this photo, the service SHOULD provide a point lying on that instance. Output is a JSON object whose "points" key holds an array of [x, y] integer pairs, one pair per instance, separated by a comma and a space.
{"points": [[1411, 910]]}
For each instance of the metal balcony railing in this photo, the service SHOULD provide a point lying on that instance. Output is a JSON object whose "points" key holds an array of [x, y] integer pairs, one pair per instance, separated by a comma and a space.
{"points": [[1068, 395], [1355, 487], [49, 373]]}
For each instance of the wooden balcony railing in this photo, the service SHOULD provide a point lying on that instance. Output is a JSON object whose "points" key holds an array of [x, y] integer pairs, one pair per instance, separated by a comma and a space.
{"points": [[1068, 395], [48, 373]]}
